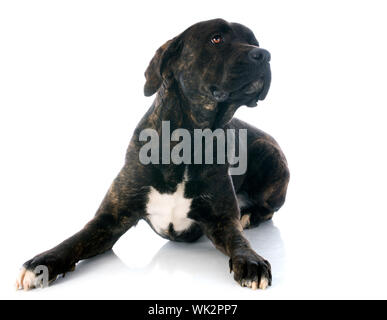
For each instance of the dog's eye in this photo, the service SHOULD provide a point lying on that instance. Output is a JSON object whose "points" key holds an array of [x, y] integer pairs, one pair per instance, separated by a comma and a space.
{"points": [[216, 39]]}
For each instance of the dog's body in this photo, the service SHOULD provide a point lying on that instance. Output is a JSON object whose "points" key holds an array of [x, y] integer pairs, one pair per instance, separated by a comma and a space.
{"points": [[201, 77]]}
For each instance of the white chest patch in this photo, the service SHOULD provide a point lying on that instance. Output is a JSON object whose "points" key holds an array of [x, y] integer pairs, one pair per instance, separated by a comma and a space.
{"points": [[165, 209]]}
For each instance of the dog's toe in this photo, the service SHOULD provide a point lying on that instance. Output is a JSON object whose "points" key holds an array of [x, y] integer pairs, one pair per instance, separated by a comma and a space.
{"points": [[246, 283], [245, 221], [34, 274], [26, 280], [264, 283]]}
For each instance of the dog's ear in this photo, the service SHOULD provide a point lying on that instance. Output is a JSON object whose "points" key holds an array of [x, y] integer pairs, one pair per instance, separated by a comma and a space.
{"points": [[159, 66]]}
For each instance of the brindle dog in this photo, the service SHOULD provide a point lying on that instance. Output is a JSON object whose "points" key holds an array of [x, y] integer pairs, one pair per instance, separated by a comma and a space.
{"points": [[201, 77]]}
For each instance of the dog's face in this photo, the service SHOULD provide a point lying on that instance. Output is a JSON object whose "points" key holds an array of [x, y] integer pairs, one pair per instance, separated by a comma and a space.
{"points": [[216, 64]]}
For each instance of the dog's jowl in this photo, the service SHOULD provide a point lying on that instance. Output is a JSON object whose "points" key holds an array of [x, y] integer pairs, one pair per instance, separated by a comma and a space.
{"points": [[200, 78]]}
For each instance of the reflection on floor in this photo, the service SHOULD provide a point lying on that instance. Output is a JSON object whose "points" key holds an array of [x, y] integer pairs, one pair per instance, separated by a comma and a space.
{"points": [[143, 259]]}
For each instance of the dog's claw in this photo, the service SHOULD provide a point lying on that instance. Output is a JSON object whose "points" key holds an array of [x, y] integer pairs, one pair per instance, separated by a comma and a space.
{"points": [[20, 279], [17, 285], [263, 284], [245, 221]]}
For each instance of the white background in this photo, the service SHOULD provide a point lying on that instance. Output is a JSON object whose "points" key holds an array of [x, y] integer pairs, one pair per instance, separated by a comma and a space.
{"points": [[71, 80]]}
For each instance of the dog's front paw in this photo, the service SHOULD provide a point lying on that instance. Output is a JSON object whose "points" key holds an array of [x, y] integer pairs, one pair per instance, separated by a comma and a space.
{"points": [[251, 270], [28, 279], [40, 272]]}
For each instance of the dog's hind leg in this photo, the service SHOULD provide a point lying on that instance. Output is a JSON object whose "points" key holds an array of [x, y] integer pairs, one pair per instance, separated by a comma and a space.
{"points": [[115, 216], [264, 189]]}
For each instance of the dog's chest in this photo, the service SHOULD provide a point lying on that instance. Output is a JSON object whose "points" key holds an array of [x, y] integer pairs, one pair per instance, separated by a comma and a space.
{"points": [[167, 210]]}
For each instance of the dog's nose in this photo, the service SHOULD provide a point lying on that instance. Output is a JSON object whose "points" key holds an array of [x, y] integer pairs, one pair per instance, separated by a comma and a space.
{"points": [[258, 55]]}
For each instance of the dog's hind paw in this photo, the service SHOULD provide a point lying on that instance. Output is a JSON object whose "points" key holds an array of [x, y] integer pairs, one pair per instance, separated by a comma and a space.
{"points": [[245, 221]]}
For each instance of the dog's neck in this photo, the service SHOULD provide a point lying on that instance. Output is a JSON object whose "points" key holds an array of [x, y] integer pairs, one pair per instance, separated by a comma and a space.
{"points": [[172, 105]]}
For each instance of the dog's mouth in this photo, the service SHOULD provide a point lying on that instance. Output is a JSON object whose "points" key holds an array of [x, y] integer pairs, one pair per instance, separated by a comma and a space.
{"points": [[248, 94], [253, 87], [255, 91]]}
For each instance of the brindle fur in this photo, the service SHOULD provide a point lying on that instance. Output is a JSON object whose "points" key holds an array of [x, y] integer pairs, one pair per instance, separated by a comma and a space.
{"points": [[182, 73]]}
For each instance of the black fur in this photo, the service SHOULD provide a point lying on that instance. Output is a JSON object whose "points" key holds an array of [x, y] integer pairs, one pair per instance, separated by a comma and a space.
{"points": [[199, 85]]}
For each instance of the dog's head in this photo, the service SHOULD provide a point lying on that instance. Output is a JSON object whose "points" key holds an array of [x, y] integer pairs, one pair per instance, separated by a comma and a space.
{"points": [[218, 66]]}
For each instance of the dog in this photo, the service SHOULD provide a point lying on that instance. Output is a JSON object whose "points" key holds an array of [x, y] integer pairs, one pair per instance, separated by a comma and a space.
{"points": [[201, 77]]}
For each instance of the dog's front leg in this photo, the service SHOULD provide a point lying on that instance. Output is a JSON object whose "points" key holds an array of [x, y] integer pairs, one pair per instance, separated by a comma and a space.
{"points": [[250, 269], [220, 220], [115, 216]]}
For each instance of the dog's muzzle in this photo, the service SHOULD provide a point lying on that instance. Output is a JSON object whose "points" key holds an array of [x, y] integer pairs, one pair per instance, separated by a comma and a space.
{"points": [[255, 89]]}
